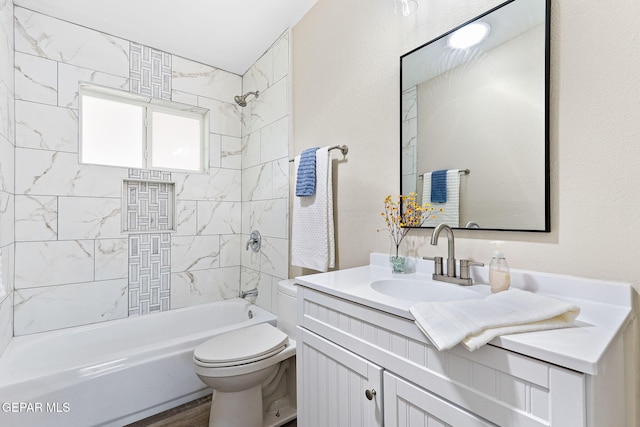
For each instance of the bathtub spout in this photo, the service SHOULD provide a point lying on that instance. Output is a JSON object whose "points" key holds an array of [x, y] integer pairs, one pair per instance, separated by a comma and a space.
{"points": [[250, 293]]}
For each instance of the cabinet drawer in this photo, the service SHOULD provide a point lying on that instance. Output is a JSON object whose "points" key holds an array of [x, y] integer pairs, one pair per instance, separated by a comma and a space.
{"points": [[503, 387], [406, 405]]}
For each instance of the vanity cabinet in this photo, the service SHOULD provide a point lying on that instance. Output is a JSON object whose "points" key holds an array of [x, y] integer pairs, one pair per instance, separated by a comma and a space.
{"points": [[346, 349]]}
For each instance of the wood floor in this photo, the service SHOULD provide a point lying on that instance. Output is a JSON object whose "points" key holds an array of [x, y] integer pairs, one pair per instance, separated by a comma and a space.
{"points": [[191, 414]]}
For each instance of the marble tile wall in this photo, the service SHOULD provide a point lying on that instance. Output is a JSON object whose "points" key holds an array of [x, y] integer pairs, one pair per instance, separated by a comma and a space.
{"points": [[7, 182], [70, 254], [72, 261], [205, 249], [265, 172]]}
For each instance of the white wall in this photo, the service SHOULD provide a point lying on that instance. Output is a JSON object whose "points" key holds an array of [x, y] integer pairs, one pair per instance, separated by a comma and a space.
{"points": [[345, 83], [346, 91]]}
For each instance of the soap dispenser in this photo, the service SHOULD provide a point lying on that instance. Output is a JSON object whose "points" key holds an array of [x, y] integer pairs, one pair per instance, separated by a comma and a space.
{"points": [[499, 277]]}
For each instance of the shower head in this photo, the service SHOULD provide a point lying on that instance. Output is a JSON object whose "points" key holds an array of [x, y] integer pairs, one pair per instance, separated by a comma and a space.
{"points": [[241, 100]]}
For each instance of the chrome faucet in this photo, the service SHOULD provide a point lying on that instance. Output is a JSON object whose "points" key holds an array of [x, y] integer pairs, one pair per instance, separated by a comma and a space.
{"points": [[451, 250], [465, 264], [250, 293], [255, 241]]}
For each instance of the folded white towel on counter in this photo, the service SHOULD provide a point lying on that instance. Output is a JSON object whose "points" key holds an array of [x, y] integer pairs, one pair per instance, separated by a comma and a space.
{"points": [[312, 228], [475, 322]]}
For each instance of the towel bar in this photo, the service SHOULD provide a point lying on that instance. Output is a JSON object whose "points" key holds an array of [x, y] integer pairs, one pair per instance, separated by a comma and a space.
{"points": [[343, 148], [462, 171]]}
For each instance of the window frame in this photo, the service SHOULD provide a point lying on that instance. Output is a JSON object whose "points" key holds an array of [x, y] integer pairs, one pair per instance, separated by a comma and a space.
{"points": [[149, 106]]}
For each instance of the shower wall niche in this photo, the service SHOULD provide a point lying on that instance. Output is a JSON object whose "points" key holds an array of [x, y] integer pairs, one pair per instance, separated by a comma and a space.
{"points": [[149, 206]]}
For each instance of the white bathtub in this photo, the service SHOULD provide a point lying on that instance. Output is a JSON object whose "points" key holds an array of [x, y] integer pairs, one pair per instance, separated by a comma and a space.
{"points": [[116, 372]]}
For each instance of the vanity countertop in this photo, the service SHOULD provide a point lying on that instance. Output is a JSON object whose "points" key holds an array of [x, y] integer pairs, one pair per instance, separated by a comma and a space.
{"points": [[605, 307]]}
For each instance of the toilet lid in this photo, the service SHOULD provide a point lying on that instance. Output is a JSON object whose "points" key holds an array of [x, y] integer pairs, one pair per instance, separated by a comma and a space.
{"points": [[243, 345]]}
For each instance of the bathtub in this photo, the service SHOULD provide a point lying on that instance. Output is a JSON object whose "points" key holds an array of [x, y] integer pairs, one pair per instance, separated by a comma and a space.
{"points": [[116, 372]]}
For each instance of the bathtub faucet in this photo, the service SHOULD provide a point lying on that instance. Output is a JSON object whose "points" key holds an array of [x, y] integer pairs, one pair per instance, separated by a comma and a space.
{"points": [[249, 293]]}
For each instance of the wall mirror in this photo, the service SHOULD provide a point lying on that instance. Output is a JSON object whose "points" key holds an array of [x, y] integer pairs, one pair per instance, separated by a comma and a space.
{"points": [[475, 122]]}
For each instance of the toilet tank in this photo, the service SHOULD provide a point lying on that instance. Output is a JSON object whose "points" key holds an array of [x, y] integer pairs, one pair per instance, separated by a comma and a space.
{"points": [[287, 307]]}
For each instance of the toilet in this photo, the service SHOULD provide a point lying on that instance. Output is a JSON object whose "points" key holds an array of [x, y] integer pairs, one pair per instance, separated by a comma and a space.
{"points": [[252, 370]]}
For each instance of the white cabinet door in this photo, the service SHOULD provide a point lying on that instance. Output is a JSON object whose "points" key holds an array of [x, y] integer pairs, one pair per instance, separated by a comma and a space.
{"points": [[336, 387], [406, 405]]}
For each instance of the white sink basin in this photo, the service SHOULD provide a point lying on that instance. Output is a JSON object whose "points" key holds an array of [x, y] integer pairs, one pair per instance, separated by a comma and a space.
{"points": [[423, 290]]}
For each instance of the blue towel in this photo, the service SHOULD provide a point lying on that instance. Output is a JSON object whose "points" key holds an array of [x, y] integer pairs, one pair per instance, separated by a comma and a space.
{"points": [[306, 174], [439, 186]]}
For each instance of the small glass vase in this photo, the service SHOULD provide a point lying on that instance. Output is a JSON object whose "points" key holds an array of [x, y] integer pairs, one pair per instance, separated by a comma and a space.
{"points": [[397, 260], [398, 263]]}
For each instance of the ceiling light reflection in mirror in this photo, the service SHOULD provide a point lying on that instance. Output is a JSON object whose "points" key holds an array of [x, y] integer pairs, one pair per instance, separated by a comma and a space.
{"points": [[469, 35]]}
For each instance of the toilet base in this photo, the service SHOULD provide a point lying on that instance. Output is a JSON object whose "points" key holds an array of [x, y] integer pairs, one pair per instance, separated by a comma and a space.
{"points": [[226, 415], [231, 409], [283, 416]]}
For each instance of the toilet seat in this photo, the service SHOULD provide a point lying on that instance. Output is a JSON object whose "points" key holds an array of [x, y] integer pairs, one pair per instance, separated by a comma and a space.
{"points": [[241, 346]]}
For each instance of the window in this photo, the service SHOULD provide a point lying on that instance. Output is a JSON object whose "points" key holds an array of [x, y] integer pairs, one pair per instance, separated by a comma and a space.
{"points": [[112, 132], [122, 129], [167, 129]]}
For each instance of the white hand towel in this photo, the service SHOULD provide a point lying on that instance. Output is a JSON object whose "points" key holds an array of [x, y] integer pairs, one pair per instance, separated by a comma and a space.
{"points": [[450, 214], [477, 321], [312, 229]]}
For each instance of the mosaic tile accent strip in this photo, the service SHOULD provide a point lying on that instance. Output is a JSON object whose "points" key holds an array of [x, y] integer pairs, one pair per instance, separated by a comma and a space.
{"points": [[149, 175], [149, 206], [149, 71], [149, 273]]}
